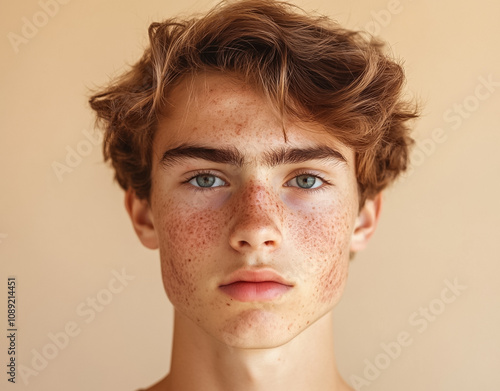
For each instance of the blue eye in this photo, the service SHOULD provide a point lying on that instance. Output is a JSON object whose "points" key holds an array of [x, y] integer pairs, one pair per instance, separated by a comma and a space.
{"points": [[206, 181], [306, 181]]}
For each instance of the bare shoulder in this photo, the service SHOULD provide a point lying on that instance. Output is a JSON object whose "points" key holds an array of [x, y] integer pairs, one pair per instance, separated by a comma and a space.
{"points": [[159, 386]]}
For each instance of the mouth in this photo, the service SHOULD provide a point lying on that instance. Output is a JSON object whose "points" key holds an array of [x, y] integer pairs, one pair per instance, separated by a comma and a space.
{"points": [[256, 285]]}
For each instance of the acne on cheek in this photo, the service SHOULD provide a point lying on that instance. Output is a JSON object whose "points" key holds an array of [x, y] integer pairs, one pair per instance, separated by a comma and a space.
{"points": [[185, 238], [332, 281], [187, 228], [324, 234]]}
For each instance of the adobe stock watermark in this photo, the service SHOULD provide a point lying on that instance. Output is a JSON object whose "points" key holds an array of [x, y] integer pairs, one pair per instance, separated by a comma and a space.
{"points": [[75, 155], [419, 321], [31, 26], [382, 18], [454, 117], [86, 311]]}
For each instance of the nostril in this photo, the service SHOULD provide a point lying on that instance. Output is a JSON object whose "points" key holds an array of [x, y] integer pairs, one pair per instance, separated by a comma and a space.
{"points": [[255, 237], [243, 243]]}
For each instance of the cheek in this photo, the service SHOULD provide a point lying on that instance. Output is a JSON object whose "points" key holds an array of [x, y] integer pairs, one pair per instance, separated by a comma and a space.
{"points": [[322, 237], [332, 280], [187, 237]]}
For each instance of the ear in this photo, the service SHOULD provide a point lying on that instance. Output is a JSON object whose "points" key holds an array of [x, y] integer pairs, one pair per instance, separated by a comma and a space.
{"points": [[366, 222], [142, 219]]}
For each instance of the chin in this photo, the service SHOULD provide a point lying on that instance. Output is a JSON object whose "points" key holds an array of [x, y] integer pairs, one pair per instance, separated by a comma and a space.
{"points": [[257, 329]]}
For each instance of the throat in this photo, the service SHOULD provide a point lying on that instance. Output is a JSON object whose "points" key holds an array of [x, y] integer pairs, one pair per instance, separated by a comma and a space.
{"points": [[305, 362]]}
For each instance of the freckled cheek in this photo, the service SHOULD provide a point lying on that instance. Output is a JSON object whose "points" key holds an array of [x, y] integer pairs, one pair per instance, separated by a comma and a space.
{"points": [[190, 233], [322, 238], [188, 240], [333, 274], [332, 280], [320, 230]]}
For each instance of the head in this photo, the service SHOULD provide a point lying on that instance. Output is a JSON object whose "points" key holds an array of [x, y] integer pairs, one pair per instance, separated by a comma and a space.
{"points": [[256, 138]]}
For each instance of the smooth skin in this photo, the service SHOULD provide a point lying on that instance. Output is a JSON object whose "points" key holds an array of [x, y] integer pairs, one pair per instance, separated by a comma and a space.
{"points": [[230, 194]]}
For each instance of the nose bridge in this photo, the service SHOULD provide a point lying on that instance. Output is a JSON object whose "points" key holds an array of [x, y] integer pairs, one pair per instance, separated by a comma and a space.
{"points": [[258, 202], [258, 217]]}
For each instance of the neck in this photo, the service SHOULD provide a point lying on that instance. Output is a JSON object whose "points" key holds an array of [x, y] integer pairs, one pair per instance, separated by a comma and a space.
{"points": [[307, 362]]}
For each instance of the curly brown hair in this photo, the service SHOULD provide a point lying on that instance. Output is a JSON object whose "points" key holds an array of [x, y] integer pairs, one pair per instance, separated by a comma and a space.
{"points": [[309, 67]]}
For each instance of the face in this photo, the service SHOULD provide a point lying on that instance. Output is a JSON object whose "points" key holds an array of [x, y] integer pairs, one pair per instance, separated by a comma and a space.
{"points": [[254, 232]]}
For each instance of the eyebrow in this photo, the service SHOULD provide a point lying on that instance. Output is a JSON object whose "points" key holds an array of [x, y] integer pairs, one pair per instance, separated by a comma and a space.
{"points": [[234, 157]]}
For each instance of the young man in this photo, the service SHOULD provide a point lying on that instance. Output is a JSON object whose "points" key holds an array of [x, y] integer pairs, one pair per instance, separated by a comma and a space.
{"points": [[253, 144]]}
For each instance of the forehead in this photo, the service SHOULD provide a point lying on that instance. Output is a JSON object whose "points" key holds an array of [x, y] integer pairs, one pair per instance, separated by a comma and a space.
{"points": [[223, 111]]}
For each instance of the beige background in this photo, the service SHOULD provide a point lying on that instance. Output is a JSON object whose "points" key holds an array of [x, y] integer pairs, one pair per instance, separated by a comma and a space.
{"points": [[64, 237]]}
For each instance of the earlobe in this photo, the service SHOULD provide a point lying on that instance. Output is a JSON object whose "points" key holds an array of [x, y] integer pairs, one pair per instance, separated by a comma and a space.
{"points": [[142, 219], [366, 223]]}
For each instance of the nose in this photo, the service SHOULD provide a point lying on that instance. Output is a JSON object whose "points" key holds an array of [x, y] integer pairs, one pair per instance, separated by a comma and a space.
{"points": [[257, 222]]}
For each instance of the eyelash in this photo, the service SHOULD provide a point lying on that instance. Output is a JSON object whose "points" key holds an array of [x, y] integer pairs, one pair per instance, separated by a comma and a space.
{"points": [[201, 173], [309, 173], [300, 173]]}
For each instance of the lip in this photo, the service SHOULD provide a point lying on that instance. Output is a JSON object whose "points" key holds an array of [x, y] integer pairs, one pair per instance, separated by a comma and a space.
{"points": [[255, 285]]}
